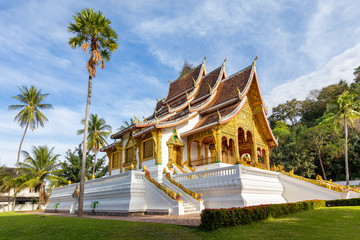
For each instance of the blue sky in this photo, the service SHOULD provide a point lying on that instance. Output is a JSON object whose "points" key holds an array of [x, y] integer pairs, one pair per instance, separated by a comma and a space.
{"points": [[302, 45]]}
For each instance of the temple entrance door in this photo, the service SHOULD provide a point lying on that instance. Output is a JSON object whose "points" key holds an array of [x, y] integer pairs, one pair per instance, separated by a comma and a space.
{"points": [[177, 155]]}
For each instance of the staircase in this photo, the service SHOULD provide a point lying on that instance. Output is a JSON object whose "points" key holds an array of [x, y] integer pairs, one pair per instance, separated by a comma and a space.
{"points": [[189, 208]]}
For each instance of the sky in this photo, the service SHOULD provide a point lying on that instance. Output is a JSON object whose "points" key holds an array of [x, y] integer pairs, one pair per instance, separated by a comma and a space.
{"points": [[302, 45]]}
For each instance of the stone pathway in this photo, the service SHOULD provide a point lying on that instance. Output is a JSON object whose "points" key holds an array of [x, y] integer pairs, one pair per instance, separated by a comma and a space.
{"points": [[183, 220]]}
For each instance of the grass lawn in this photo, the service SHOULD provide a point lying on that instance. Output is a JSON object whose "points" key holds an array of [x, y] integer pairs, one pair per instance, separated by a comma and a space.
{"points": [[325, 223]]}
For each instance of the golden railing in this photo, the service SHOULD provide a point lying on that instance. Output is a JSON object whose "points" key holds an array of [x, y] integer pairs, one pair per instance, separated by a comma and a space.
{"points": [[169, 192], [186, 190]]}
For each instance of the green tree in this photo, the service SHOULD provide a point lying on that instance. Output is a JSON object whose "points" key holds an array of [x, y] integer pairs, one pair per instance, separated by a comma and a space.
{"points": [[287, 112], [32, 101], [345, 109], [357, 74], [39, 167], [5, 178], [71, 167], [97, 133], [127, 124], [92, 32]]}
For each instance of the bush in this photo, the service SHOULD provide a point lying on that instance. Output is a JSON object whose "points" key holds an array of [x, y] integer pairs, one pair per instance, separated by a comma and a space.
{"points": [[343, 202], [216, 218]]}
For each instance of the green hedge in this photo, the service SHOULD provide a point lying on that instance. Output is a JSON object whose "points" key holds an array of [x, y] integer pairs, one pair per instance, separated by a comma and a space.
{"points": [[216, 218], [343, 202]]}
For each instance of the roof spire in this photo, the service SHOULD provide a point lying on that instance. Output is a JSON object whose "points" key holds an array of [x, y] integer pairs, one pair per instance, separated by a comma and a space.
{"points": [[194, 81], [162, 100], [168, 106], [239, 92], [157, 99], [187, 95], [144, 119], [209, 87], [255, 60], [204, 59], [219, 114], [224, 62], [136, 119], [170, 81]]}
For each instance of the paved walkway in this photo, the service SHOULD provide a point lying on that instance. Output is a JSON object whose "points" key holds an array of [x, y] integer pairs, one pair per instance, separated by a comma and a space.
{"points": [[184, 220]]}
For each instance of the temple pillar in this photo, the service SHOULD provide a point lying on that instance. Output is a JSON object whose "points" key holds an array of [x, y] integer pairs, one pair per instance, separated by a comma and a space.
{"points": [[199, 153], [218, 143], [267, 158], [206, 153], [157, 136], [171, 156]]}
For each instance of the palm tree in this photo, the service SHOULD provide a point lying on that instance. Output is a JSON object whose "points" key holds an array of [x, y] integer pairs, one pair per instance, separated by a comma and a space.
{"points": [[39, 167], [93, 32], [345, 109], [97, 133], [127, 124], [31, 101], [8, 182]]}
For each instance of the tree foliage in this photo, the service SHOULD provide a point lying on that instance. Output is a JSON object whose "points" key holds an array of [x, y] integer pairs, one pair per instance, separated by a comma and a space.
{"points": [[307, 134]]}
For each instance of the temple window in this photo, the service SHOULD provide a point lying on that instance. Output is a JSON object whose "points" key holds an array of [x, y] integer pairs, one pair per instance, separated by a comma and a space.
{"points": [[115, 160], [130, 154], [148, 149]]}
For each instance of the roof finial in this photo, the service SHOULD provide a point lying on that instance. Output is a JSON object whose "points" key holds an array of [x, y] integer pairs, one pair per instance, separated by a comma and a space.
{"points": [[170, 81], [187, 95], [157, 99], [136, 119], [189, 107], [239, 92], [144, 118], [224, 62], [219, 114], [155, 110], [209, 87], [255, 60], [163, 100], [157, 120], [168, 106], [194, 81], [204, 59]]}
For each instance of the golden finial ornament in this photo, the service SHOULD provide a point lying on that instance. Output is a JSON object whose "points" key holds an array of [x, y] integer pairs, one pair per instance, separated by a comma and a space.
{"points": [[204, 59], [168, 107], [219, 114], [144, 118], [157, 99], [69, 182], [194, 81], [174, 171], [53, 186], [224, 61], [93, 176], [164, 170], [255, 60], [132, 167], [209, 87], [187, 95], [155, 110], [239, 92], [136, 119], [189, 107], [144, 168], [170, 81], [163, 100]]}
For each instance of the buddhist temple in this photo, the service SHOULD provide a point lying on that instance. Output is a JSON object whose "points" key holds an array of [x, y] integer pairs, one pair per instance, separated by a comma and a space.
{"points": [[205, 118], [206, 145]]}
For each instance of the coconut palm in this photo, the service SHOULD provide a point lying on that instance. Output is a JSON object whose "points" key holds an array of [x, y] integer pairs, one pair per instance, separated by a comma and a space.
{"points": [[97, 133], [31, 101], [92, 32], [345, 109], [39, 167], [9, 182], [127, 124]]}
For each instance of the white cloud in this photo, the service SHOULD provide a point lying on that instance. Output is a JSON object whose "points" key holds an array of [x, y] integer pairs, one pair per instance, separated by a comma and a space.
{"points": [[339, 67]]}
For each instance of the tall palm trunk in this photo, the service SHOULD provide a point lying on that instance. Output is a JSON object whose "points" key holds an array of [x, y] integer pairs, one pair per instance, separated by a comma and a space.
{"points": [[9, 201], [321, 163], [346, 152], [40, 196], [94, 163], [18, 158], [83, 163]]}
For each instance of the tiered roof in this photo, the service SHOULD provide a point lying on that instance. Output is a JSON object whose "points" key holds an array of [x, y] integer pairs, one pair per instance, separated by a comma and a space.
{"points": [[213, 97]]}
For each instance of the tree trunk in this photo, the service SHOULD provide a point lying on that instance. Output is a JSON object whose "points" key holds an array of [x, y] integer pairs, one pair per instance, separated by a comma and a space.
{"points": [[321, 164], [346, 152], [9, 201], [82, 180], [14, 200], [18, 158], [40, 196], [94, 163]]}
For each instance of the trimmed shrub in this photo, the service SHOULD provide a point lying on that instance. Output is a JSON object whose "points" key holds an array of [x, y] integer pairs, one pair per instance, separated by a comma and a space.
{"points": [[343, 202], [216, 218]]}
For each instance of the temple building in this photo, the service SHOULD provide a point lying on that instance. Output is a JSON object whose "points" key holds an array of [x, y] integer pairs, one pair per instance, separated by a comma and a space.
{"points": [[206, 145], [206, 118]]}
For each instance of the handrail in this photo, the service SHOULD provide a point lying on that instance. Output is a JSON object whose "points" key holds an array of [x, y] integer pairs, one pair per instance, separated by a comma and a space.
{"points": [[172, 194], [193, 194], [225, 171], [319, 181], [180, 168]]}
